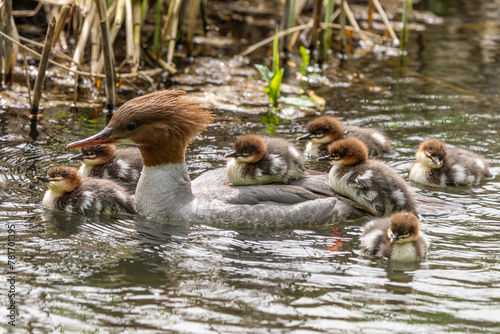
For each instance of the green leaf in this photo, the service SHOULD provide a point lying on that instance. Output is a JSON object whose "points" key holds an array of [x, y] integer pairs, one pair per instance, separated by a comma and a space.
{"points": [[265, 74], [274, 87], [299, 101], [276, 53], [306, 58]]}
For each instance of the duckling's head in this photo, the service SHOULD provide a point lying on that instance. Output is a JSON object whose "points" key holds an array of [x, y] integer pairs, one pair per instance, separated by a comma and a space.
{"points": [[349, 151], [95, 155], [404, 227], [323, 130], [61, 179], [248, 149], [162, 124], [431, 153]]}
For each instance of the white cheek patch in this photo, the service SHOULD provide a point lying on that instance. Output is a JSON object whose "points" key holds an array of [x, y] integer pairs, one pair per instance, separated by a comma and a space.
{"points": [[322, 140], [379, 138], [57, 186], [422, 158], [245, 160]]}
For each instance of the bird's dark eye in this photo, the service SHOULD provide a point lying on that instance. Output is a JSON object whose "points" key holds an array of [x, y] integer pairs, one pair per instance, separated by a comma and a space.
{"points": [[430, 151], [131, 126], [319, 133]]}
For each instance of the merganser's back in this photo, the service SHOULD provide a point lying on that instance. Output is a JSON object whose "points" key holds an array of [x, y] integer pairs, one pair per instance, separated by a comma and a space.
{"points": [[397, 238], [106, 161], [370, 183], [326, 129], [438, 165], [69, 192], [257, 160], [162, 124]]}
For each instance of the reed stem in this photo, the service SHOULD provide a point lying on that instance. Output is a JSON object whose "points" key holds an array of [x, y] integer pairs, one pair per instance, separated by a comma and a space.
{"points": [[42, 68], [109, 59]]}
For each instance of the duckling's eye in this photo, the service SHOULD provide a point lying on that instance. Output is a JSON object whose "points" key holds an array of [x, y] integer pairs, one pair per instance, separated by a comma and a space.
{"points": [[335, 157], [406, 235], [131, 126], [58, 175], [430, 151], [319, 133]]}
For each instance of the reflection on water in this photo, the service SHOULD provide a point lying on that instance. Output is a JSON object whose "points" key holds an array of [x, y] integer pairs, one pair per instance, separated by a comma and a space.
{"points": [[130, 274]]}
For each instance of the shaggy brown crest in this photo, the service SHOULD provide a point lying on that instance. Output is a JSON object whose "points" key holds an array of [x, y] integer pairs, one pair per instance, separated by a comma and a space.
{"points": [[404, 222], [351, 151], [251, 144], [433, 148], [326, 125], [67, 174]]}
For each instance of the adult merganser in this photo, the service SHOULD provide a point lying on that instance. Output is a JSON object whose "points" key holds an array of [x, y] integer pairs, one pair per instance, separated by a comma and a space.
{"points": [[162, 124], [105, 161], [370, 183], [438, 165], [68, 192], [397, 238], [256, 160], [326, 129]]}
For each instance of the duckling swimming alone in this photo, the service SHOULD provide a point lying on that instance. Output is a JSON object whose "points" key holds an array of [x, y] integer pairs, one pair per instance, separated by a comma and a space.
{"points": [[438, 165], [68, 192], [107, 162], [256, 160], [326, 129], [370, 183], [397, 238]]}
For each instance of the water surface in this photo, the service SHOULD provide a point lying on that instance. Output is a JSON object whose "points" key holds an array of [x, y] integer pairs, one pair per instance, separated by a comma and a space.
{"points": [[97, 274]]}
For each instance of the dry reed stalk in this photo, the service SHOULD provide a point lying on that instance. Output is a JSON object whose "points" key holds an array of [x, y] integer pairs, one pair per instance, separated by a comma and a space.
{"points": [[137, 19], [387, 24], [95, 47], [173, 25], [61, 21], [26, 71], [84, 36], [9, 63], [161, 62], [191, 24], [317, 18], [109, 59], [129, 31], [42, 68], [1, 48]]}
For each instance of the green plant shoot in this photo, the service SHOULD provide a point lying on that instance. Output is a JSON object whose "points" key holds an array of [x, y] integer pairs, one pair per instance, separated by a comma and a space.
{"points": [[273, 78], [306, 58]]}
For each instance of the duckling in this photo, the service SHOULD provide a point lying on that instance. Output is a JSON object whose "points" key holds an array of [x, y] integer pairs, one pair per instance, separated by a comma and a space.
{"points": [[370, 183], [438, 165], [105, 161], [397, 238], [68, 192], [326, 129], [256, 160]]}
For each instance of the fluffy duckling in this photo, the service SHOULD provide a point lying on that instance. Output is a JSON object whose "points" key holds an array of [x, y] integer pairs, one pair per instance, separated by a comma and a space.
{"points": [[326, 129], [370, 183], [107, 162], [438, 165], [258, 160], [397, 238], [68, 192]]}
